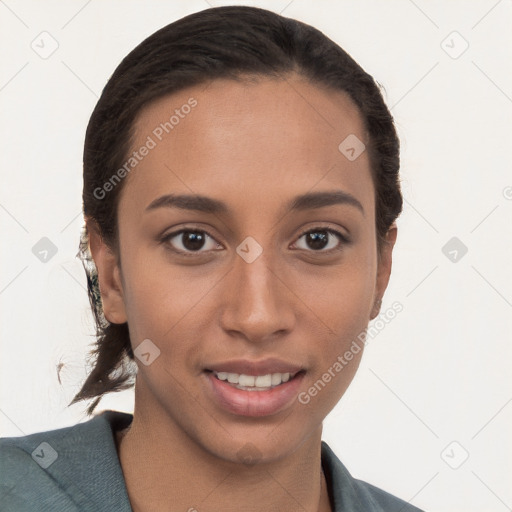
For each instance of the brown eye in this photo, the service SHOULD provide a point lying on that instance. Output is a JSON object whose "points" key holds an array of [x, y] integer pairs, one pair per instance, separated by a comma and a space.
{"points": [[322, 240], [189, 241]]}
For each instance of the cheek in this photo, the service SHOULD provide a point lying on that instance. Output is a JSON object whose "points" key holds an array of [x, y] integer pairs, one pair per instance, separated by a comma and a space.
{"points": [[342, 296], [161, 299], [341, 303], [144, 296], [344, 320], [338, 353]]}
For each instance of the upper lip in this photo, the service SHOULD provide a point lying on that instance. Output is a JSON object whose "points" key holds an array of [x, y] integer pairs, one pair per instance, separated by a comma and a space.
{"points": [[261, 367]]}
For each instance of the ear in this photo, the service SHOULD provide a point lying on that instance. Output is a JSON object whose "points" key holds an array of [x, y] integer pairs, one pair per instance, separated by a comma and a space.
{"points": [[384, 269], [109, 275]]}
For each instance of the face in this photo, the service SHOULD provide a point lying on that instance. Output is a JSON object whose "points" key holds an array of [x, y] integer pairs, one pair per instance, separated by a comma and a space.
{"points": [[272, 271]]}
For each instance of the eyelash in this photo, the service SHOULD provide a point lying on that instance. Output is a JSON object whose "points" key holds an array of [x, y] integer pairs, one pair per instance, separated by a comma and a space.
{"points": [[341, 237]]}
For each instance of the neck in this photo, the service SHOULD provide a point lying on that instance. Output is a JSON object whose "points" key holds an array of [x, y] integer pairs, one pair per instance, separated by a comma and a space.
{"points": [[164, 469]]}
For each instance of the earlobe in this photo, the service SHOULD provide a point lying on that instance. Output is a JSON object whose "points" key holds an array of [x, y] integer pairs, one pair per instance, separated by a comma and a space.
{"points": [[384, 269], [376, 308], [109, 277]]}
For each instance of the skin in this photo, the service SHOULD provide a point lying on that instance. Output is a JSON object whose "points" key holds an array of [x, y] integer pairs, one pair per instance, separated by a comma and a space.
{"points": [[254, 145]]}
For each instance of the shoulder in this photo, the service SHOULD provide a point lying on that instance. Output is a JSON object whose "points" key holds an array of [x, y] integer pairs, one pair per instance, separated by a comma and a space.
{"points": [[71, 468], [386, 501], [352, 494]]}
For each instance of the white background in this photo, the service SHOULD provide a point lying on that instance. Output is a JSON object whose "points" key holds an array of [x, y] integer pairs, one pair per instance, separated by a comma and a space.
{"points": [[438, 373]]}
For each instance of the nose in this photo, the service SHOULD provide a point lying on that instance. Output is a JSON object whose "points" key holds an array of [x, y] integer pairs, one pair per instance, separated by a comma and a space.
{"points": [[257, 302]]}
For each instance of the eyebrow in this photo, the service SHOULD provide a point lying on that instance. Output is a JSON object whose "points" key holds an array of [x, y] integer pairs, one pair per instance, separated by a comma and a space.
{"points": [[308, 201]]}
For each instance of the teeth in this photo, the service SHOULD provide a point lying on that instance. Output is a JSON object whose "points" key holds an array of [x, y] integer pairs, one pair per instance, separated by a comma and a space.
{"points": [[233, 378], [246, 380], [276, 379], [254, 381], [263, 381]]}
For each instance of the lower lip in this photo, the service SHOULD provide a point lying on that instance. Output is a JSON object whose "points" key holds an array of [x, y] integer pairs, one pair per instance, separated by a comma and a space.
{"points": [[254, 403]]}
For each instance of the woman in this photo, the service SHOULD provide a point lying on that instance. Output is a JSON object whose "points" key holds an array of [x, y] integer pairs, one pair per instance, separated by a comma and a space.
{"points": [[240, 195]]}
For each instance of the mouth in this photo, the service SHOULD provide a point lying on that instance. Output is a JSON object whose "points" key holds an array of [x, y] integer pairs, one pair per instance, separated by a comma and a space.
{"points": [[255, 395], [246, 382]]}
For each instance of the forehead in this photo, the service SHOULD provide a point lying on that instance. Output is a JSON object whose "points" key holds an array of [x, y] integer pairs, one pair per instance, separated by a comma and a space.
{"points": [[264, 136]]}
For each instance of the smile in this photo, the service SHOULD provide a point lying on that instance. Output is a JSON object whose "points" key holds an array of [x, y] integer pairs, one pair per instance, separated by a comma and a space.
{"points": [[254, 382], [253, 395]]}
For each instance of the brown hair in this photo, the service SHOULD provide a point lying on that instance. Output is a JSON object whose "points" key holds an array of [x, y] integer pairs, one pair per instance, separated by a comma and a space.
{"points": [[222, 42]]}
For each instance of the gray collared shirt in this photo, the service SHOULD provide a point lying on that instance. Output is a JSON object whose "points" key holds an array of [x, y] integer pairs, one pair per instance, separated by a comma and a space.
{"points": [[77, 469]]}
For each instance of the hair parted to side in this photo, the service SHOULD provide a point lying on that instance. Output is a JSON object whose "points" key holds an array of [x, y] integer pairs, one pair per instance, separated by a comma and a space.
{"points": [[232, 42]]}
